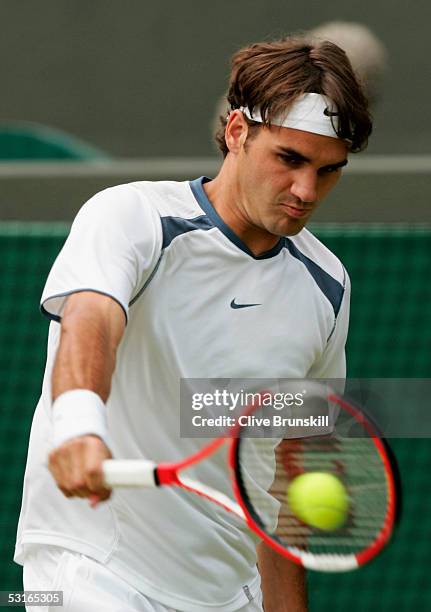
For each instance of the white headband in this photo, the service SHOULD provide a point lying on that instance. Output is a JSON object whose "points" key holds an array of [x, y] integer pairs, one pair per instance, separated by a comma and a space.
{"points": [[311, 112]]}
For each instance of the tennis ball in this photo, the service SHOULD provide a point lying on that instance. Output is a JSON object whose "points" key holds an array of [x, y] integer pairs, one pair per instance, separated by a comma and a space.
{"points": [[319, 499]]}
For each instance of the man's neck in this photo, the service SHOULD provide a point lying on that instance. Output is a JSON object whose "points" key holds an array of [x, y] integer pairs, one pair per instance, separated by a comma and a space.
{"points": [[225, 197]]}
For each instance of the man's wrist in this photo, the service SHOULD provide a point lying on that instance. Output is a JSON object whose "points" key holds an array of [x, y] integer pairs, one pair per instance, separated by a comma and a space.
{"points": [[79, 412]]}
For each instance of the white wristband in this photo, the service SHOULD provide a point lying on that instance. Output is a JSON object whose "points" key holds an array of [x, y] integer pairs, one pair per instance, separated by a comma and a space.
{"points": [[77, 413]]}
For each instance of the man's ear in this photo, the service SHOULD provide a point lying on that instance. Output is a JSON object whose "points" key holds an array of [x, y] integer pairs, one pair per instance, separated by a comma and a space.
{"points": [[236, 131]]}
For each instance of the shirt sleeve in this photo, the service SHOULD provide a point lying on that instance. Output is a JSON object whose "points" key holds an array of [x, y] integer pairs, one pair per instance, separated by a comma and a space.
{"points": [[113, 246], [332, 362]]}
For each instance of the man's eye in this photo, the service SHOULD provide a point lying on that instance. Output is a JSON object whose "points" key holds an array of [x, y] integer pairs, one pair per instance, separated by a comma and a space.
{"points": [[329, 170], [290, 161]]}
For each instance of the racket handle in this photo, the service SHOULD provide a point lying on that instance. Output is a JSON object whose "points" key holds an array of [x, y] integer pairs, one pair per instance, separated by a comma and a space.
{"points": [[129, 473]]}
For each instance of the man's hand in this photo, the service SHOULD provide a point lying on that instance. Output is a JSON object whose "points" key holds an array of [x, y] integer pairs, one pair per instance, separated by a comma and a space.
{"points": [[77, 468]]}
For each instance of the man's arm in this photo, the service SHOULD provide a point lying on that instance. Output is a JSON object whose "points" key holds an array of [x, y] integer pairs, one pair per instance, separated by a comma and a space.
{"points": [[283, 582], [91, 329]]}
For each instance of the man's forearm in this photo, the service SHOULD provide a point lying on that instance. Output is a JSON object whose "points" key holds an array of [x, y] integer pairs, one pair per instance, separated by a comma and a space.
{"points": [[283, 582], [89, 337], [91, 329]]}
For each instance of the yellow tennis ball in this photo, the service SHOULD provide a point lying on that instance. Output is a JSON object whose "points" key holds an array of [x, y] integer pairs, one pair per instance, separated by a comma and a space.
{"points": [[319, 499]]}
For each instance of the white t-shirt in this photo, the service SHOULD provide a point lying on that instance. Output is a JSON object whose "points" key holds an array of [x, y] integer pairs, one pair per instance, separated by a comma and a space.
{"points": [[163, 253]]}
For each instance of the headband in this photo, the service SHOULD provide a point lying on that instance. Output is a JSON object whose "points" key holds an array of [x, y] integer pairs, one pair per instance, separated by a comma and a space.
{"points": [[311, 112]]}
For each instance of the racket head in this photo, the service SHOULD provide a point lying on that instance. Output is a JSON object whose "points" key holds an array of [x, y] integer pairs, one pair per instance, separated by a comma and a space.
{"points": [[263, 469]]}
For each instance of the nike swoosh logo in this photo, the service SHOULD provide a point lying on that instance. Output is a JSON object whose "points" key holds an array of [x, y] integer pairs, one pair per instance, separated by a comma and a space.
{"points": [[234, 305]]}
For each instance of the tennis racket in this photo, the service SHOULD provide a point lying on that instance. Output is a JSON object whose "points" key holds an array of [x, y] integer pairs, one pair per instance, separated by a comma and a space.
{"points": [[262, 469]]}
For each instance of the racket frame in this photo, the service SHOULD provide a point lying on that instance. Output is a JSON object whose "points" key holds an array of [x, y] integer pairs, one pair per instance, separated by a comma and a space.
{"points": [[169, 474], [328, 562]]}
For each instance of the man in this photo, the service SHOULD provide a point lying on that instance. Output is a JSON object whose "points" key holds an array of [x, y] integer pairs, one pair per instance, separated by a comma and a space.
{"points": [[146, 292]]}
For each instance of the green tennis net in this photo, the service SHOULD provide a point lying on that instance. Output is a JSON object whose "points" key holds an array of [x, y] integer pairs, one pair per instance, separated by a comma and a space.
{"points": [[390, 336]]}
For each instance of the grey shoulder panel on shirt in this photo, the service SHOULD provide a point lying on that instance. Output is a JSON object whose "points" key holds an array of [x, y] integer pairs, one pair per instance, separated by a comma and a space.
{"points": [[172, 227], [175, 226], [330, 287]]}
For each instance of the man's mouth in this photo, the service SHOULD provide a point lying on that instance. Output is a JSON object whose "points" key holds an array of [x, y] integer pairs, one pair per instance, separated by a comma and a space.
{"points": [[295, 211]]}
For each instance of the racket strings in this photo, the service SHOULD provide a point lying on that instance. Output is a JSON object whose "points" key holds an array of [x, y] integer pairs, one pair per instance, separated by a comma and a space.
{"points": [[355, 461]]}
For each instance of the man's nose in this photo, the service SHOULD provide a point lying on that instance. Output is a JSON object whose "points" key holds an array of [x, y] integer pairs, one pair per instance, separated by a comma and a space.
{"points": [[304, 186]]}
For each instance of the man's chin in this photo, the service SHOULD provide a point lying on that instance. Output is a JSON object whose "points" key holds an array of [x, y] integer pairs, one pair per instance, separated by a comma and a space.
{"points": [[291, 227]]}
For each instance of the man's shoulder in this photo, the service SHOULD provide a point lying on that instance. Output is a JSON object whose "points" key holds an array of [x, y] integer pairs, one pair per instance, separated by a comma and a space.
{"points": [[169, 198], [311, 248], [138, 199]]}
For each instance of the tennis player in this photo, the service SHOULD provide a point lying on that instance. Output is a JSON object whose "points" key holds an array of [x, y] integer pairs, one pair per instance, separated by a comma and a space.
{"points": [[160, 281]]}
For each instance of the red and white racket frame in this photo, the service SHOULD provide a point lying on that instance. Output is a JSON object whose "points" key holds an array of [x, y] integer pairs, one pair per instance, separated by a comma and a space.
{"points": [[143, 473], [330, 562]]}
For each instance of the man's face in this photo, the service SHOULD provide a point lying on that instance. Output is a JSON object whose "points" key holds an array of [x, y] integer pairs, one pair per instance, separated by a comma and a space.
{"points": [[282, 174]]}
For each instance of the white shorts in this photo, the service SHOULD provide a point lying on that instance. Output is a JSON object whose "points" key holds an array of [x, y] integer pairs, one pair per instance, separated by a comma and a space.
{"points": [[88, 586]]}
